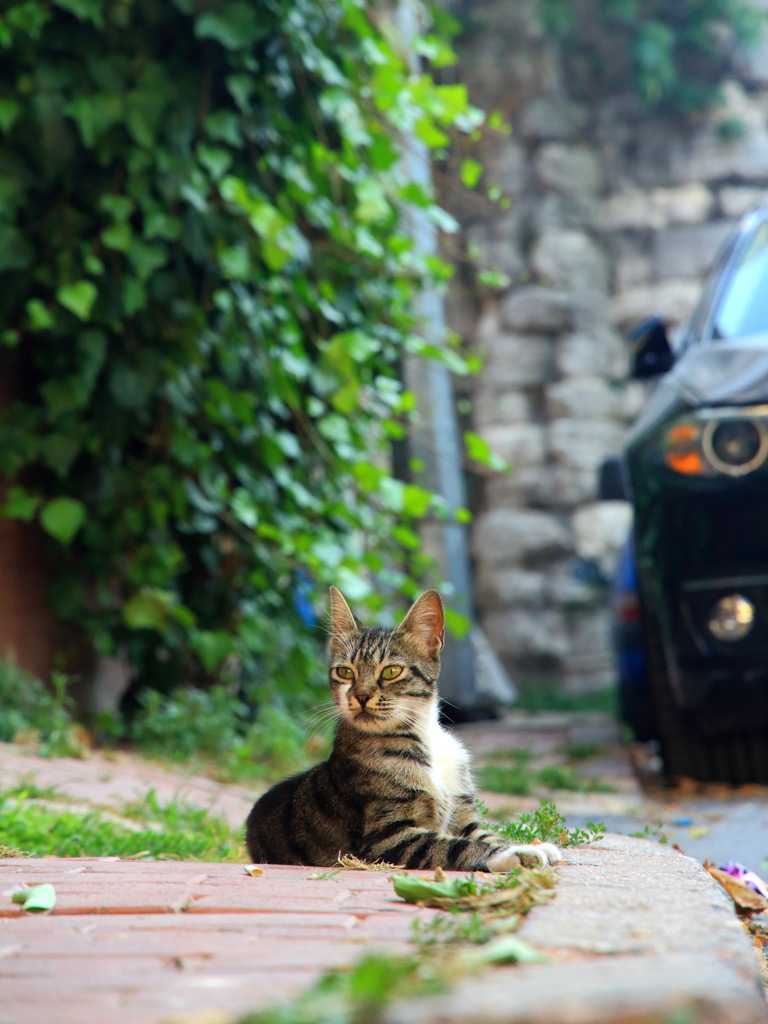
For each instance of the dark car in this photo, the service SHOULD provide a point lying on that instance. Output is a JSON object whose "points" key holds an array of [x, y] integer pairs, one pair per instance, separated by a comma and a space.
{"points": [[690, 598]]}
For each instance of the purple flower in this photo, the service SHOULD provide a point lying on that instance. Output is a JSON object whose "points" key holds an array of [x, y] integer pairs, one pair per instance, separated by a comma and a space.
{"points": [[749, 878]]}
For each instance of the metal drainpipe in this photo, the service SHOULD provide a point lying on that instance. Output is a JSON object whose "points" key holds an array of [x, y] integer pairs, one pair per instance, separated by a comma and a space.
{"points": [[435, 439]]}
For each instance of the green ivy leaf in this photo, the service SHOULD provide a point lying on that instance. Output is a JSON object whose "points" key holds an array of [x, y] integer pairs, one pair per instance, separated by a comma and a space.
{"points": [[149, 608], [372, 203], [237, 26], [9, 112], [78, 298], [40, 317], [470, 172], [478, 450], [62, 518], [21, 504]]}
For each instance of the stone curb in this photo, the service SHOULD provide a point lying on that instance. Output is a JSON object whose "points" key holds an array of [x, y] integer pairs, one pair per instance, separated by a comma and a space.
{"points": [[638, 934]]}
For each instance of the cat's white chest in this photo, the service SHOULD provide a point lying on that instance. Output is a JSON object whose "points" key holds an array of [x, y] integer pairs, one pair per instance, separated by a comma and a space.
{"points": [[448, 760]]}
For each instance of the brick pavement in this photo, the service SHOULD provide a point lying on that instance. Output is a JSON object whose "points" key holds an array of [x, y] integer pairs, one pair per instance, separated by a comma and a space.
{"points": [[637, 934], [138, 942]]}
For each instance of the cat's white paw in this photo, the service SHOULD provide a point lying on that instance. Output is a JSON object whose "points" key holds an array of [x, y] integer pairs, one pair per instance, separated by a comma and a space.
{"points": [[533, 855]]}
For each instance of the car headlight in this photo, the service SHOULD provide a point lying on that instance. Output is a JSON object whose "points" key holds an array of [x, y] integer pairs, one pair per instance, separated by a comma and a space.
{"points": [[731, 618], [735, 446], [714, 441]]}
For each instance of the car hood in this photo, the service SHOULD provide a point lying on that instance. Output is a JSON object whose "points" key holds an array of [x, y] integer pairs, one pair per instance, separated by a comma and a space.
{"points": [[724, 373]]}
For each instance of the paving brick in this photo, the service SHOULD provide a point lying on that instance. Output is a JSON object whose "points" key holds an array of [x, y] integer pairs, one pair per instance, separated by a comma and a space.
{"points": [[637, 934]]}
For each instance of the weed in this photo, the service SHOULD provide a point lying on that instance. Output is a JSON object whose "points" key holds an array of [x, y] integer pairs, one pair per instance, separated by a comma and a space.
{"points": [[518, 780], [651, 832], [175, 831], [521, 780], [552, 697], [544, 824], [581, 751], [33, 712], [212, 732], [454, 928], [519, 754], [558, 777]]}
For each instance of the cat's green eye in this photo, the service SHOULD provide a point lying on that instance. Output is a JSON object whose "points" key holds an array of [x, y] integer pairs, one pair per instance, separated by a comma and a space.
{"points": [[345, 672], [391, 672]]}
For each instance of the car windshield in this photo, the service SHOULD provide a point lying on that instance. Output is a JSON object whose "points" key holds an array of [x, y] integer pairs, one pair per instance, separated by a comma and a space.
{"points": [[743, 309]]}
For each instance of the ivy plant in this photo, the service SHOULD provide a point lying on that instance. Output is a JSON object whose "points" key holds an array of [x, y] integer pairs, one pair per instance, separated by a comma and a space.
{"points": [[206, 284], [672, 55]]}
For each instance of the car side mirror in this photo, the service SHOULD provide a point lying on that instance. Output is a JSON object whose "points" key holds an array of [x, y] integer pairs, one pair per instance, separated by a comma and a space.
{"points": [[651, 351], [610, 481]]}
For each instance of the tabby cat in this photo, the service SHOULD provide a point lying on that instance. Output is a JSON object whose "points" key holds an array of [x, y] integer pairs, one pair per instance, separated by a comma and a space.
{"points": [[397, 787]]}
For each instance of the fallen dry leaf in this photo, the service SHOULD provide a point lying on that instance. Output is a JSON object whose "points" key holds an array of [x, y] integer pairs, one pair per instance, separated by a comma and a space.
{"points": [[747, 900], [352, 863]]}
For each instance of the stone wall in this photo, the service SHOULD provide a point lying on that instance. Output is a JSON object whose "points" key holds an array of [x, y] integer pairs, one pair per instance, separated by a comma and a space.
{"points": [[614, 216]]}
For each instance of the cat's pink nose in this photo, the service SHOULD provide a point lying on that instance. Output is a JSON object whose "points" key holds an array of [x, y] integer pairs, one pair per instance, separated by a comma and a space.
{"points": [[362, 698]]}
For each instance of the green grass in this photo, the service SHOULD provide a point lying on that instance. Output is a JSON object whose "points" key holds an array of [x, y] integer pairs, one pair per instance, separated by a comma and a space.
{"points": [[550, 696], [522, 780], [581, 751], [34, 824], [517, 780]]}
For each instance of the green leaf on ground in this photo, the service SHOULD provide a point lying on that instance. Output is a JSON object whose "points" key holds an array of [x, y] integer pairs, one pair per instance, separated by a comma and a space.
{"points": [[36, 898]]}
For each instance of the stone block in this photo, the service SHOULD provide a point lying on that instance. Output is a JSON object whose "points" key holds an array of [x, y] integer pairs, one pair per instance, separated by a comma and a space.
{"points": [[516, 361], [584, 354], [688, 251], [518, 537], [496, 243], [492, 407], [521, 445], [637, 210], [672, 300], [506, 165], [573, 211], [552, 119], [523, 486], [736, 200], [509, 587], [564, 590], [571, 262], [538, 309], [583, 444], [565, 487], [527, 633], [706, 156], [590, 663], [589, 396], [630, 210], [568, 169], [631, 265], [600, 530]]}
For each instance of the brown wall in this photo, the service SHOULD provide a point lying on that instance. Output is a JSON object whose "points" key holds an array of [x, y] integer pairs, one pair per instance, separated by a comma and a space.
{"points": [[28, 631]]}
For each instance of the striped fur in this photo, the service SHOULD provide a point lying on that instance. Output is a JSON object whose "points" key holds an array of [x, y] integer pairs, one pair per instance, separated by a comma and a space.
{"points": [[397, 787]]}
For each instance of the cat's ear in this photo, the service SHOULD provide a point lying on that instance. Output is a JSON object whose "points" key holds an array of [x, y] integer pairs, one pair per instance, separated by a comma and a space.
{"points": [[343, 622], [425, 622]]}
